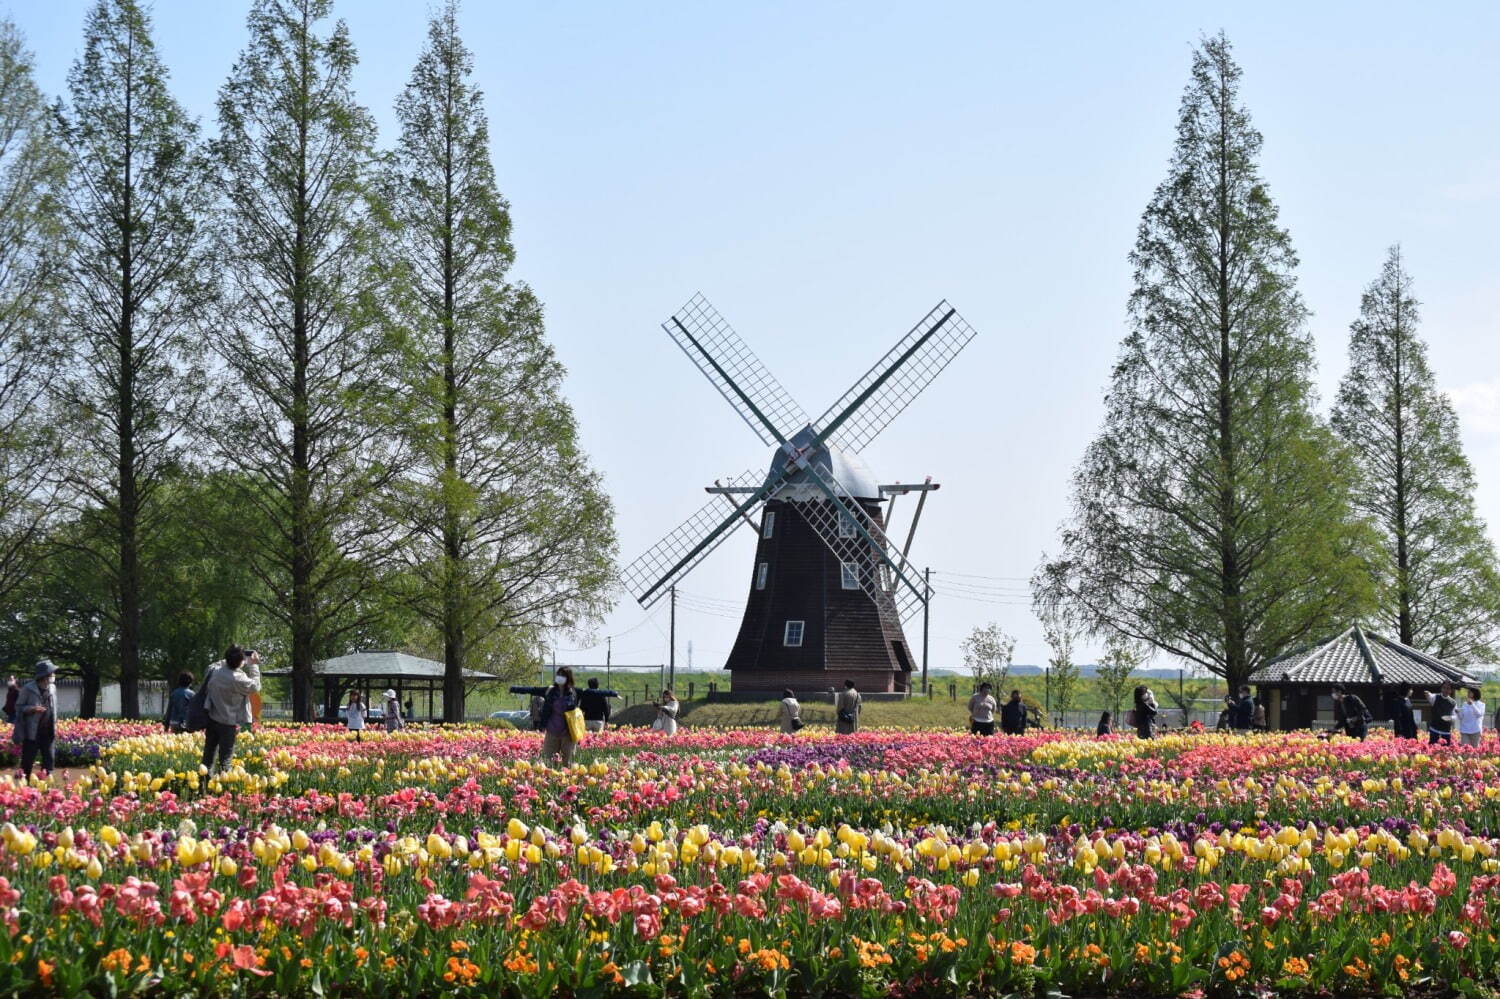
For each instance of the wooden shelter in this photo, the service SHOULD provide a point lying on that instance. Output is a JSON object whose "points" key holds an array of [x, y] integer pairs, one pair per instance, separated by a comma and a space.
{"points": [[1297, 689], [374, 671]]}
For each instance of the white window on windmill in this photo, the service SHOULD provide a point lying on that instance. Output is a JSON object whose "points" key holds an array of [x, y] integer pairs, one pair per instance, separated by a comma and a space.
{"points": [[792, 639], [851, 575], [846, 525], [761, 572], [768, 524]]}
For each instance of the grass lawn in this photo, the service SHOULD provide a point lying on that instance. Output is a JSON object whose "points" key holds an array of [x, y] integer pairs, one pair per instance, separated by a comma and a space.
{"points": [[937, 714]]}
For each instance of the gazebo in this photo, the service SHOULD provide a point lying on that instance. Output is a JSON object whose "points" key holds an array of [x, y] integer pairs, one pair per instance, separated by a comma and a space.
{"points": [[1297, 689], [377, 670]]}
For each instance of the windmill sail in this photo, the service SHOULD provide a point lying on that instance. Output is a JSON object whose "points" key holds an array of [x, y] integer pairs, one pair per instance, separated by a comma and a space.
{"points": [[712, 344], [675, 555], [880, 395]]}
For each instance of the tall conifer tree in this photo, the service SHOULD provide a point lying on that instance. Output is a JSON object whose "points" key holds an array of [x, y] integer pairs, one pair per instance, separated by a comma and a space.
{"points": [[302, 416], [137, 282], [1440, 588], [1211, 515], [508, 531], [32, 169]]}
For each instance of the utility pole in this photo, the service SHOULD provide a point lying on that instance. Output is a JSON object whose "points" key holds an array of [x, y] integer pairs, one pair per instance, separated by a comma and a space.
{"points": [[609, 648], [672, 642], [926, 613]]}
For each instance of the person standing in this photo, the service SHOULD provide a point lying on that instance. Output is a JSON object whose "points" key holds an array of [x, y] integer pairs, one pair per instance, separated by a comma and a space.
{"points": [[1242, 711], [666, 713], [1145, 712], [982, 711], [1258, 716], [36, 720], [1226, 715], [229, 686], [1105, 726], [1350, 714], [846, 709], [1440, 725], [791, 712], [1471, 719], [12, 693], [354, 716], [1403, 723], [177, 704], [394, 720], [595, 707], [1013, 715], [561, 697]]}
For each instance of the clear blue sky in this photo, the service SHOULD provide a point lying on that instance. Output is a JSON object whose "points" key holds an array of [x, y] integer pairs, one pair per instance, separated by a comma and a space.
{"points": [[826, 172]]}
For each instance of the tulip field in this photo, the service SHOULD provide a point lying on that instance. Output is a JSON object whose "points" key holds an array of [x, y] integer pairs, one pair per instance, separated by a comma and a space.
{"points": [[740, 862]]}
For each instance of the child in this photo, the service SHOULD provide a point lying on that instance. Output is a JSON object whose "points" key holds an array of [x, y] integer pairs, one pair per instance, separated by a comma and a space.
{"points": [[1105, 725]]}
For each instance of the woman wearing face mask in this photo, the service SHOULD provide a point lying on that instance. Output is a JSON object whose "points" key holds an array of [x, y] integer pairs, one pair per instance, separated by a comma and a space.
{"points": [[561, 698], [36, 720]]}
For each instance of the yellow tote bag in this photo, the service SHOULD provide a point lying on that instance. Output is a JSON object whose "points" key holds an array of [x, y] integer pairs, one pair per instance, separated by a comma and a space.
{"points": [[576, 728]]}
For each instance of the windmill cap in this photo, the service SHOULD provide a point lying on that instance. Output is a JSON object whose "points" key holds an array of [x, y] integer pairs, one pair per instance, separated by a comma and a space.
{"points": [[846, 467]]}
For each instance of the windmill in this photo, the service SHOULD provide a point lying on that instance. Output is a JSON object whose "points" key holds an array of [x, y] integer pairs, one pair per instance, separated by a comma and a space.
{"points": [[828, 591]]}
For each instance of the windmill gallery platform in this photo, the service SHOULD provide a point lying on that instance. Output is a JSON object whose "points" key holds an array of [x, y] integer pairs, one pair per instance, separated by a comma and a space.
{"points": [[828, 590]]}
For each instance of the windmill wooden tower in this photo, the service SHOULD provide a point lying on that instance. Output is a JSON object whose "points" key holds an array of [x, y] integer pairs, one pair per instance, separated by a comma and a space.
{"points": [[828, 589]]}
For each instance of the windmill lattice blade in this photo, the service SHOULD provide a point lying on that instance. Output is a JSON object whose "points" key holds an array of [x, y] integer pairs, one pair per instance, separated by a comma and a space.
{"points": [[896, 379], [649, 576], [713, 345], [884, 574]]}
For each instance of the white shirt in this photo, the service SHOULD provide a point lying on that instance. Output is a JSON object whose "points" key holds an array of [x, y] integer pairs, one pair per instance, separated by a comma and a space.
{"points": [[356, 714], [1471, 717], [982, 708]]}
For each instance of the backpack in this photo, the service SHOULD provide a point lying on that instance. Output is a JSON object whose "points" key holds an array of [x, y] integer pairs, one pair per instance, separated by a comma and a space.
{"points": [[197, 710], [1130, 717]]}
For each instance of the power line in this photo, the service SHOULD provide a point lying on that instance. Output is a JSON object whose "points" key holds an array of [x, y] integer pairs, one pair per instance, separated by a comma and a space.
{"points": [[975, 575]]}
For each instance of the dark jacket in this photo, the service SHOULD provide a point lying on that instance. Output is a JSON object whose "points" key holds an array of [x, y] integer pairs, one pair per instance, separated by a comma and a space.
{"points": [[1442, 705], [177, 707], [594, 704], [32, 725], [1349, 715], [559, 699], [1403, 724], [1013, 717], [1242, 713]]}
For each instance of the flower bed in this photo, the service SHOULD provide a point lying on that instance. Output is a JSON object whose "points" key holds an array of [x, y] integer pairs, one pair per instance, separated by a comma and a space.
{"points": [[738, 862]]}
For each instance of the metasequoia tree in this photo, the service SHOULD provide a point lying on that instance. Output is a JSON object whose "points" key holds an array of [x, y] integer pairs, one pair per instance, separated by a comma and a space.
{"points": [[136, 285], [1211, 516], [32, 170], [506, 531], [304, 415], [1436, 565]]}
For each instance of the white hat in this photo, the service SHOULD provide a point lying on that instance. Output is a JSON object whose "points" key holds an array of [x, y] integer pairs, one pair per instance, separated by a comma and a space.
{"points": [[390, 695]]}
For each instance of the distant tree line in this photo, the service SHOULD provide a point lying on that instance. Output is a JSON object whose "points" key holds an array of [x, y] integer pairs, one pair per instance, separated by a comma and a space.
{"points": [[1217, 517], [274, 385]]}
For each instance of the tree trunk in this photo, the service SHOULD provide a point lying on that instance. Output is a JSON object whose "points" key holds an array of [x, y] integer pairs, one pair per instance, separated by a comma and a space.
{"points": [[89, 671], [303, 605], [127, 497], [453, 625], [1235, 667], [1403, 554]]}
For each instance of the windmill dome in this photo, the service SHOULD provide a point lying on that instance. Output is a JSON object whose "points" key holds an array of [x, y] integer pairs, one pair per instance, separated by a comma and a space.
{"points": [[848, 468]]}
